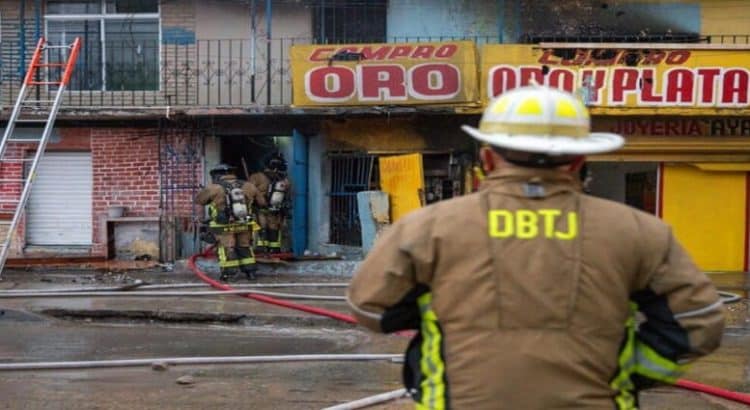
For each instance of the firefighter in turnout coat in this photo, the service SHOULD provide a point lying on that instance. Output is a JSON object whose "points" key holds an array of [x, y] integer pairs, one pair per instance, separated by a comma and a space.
{"points": [[275, 185], [230, 201], [525, 294]]}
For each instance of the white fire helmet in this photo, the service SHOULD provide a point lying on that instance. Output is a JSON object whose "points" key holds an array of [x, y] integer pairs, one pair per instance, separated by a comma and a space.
{"points": [[541, 120]]}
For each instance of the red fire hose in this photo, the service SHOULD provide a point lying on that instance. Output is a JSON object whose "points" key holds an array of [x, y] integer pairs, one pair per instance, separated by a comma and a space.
{"points": [[685, 384], [265, 299]]}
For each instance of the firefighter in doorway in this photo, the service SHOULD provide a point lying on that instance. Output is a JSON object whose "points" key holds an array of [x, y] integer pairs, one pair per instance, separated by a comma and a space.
{"points": [[273, 182], [524, 295], [230, 204]]}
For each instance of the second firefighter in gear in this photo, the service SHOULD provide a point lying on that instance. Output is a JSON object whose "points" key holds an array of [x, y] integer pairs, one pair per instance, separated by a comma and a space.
{"points": [[524, 294], [275, 185], [230, 203]]}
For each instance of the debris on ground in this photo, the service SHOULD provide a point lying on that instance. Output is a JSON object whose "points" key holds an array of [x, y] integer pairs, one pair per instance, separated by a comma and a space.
{"points": [[186, 380], [159, 366]]}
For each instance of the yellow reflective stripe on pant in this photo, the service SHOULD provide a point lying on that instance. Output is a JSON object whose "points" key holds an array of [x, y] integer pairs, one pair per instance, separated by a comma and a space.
{"points": [[432, 366], [246, 256], [221, 252], [277, 243], [639, 358]]}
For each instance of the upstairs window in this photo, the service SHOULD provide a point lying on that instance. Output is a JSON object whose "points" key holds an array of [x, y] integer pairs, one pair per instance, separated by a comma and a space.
{"points": [[120, 42], [350, 21]]}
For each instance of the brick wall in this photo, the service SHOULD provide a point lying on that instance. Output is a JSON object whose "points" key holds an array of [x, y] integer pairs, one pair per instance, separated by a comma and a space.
{"points": [[126, 165], [125, 173]]}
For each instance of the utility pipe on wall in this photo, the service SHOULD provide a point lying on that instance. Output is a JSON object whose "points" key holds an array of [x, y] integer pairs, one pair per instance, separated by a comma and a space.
{"points": [[253, 36], [268, 52]]}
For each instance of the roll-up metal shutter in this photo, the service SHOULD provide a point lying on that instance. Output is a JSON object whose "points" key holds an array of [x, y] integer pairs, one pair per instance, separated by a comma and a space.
{"points": [[59, 211]]}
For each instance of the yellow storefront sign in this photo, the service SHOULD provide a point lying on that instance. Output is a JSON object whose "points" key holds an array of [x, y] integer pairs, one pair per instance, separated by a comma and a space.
{"points": [[402, 177], [384, 74], [620, 81]]}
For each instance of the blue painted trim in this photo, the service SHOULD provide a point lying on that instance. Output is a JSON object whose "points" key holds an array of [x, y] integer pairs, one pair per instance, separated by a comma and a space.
{"points": [[177, 36], [300, 153], [269, 12]]}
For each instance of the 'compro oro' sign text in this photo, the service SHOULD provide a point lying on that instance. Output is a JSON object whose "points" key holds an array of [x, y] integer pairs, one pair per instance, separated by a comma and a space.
{"points": [[384, 74], [694, 80]]}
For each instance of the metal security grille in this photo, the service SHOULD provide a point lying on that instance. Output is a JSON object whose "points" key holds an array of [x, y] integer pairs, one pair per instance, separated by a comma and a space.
{"points": [[180, 174], [350, 173], [350, 21]]}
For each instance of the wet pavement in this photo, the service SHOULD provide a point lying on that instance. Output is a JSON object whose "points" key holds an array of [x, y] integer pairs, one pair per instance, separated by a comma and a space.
{"points": [[27, 333]]}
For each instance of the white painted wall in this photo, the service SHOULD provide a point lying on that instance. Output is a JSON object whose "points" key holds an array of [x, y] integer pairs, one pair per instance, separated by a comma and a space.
{"points": [[224, 35]]}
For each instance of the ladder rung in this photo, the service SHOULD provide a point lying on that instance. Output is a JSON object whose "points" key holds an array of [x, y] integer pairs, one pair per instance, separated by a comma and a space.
{"points": [[29, 121], [45, 83], [16, 159], [38, 101], [64, 46], [12, 180], [9, 201], [23, 140]]}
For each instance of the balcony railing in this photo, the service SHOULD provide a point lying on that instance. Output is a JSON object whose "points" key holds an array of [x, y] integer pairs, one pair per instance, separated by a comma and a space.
{"points": [[235, 73]]}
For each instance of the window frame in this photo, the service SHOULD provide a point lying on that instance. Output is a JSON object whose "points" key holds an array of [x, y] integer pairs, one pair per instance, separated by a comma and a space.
{"points": [[102, 17]]}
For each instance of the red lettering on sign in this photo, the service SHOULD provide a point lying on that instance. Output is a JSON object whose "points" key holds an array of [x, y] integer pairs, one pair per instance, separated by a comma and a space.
{"points": [[647, 95], [579, 59], [501, 79], [707, 78], [330, 84], [379, 53], [548, 57], [446, 51], [531, 75], [423, 52], [677, 57], [382, 82], [321, 54], [562, 79], [399, 52], [433, 81], [734, 87], [680, 86], [624, 82], [653, 57]]}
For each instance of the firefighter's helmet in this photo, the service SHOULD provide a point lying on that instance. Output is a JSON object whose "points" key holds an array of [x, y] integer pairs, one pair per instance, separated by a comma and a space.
{"points": [[276, 163], [541, 120]]}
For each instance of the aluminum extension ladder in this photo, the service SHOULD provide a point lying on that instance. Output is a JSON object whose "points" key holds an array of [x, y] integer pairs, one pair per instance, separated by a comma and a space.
{"points": [[31, 111]]}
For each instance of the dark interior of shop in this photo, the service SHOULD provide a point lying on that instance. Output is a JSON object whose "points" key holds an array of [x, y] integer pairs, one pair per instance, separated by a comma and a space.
{"points": [[631, 183], [254, 150]]}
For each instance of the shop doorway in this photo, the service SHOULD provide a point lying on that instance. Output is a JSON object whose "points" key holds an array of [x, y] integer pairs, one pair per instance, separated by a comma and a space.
{"points": [[631, 183], [254, 150]]}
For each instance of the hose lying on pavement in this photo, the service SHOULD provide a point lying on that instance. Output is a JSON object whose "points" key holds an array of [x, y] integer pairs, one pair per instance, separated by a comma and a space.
{"points": [[142, 286], [173, 361], [167, 294], [685, 384], [263, 298], [369, 401]]}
